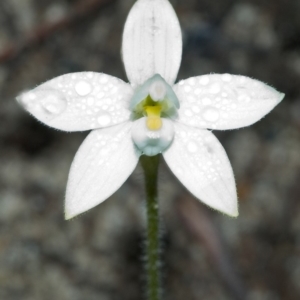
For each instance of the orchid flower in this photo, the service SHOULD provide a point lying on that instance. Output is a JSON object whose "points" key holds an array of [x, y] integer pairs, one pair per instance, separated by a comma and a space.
{"points": [[150, 115]]}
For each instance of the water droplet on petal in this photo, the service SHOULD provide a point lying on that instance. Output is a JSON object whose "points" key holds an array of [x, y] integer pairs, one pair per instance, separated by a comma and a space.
{"points": [[210, 114], [197, 91], [195, 109], [153, 29], [90, 75], [225, 115], [192, 147], [104, 119], [83, 88], [182, 134], [90, 101], [244, 98], [188, 113], [103, 79], [30, 96], [204, 80], [100, 95], [242, 79], [206, 101], [104, 151], [54, 105], [226, 77], [214, 88], [187, 88]]}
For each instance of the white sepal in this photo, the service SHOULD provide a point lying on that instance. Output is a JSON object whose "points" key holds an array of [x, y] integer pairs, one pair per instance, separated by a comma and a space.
{"points": [[199, 161], [152, 142], [79, 101], [224, 101], [152, 42], [102, 164]]}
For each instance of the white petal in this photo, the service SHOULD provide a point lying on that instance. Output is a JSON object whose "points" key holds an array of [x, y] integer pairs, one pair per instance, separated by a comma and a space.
{"points": [[102, 164], [200, 162], [79, 101], [152, 42], [224, 101]]}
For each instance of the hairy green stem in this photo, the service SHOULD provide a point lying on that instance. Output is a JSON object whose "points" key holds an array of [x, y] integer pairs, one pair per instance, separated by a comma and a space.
{"points": [[150, 165]]}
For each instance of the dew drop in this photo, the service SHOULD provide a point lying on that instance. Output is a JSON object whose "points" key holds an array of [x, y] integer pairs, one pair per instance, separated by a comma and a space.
{"points": [[192, 81], [226, 77], [225, 115], [206, 101], [101, 95], [197, 91], [90, 75], [188, 113], [104, 151], [192, 147], [30, 96], [103, 79], [182, 134], [154, 29], [104, 119], [90, 101], [195, 109], [187, 88], [54, 105], [242, 79], [224, 95], [214, 88], [204, 80], [114, 90], [244, 98], [210, 114], [210, 150], [83, 88]]}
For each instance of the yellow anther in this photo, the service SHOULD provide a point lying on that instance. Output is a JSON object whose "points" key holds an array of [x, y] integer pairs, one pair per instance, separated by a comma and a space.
{"points": [[154, 121]]}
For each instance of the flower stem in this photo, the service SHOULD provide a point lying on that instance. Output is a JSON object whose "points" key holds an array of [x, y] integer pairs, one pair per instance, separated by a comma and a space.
{"points": [[150, 165]]}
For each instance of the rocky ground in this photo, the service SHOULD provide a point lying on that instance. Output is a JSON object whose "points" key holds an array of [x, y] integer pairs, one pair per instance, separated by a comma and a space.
{"points": [[99, 255]]}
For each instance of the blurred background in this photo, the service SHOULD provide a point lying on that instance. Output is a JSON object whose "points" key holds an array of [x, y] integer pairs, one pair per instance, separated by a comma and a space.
{"points": [[99, 255]]}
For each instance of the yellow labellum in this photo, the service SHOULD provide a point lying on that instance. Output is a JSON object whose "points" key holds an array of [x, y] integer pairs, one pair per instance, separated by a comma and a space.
{"points": [[154, 121]]}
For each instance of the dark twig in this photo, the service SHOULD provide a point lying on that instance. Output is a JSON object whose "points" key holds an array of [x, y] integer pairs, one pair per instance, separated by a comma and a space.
{"points": [[81, 10]]}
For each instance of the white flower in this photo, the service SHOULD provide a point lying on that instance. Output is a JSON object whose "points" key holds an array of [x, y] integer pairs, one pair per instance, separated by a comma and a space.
{"points": [[150, 115]]}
